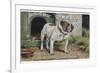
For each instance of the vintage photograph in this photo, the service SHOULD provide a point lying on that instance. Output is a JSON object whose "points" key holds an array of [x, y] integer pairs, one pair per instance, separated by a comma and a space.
{"points": [[54, 36]]}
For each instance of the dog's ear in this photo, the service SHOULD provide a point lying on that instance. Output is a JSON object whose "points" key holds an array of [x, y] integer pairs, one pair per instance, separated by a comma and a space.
{"points": [[72, 27]]}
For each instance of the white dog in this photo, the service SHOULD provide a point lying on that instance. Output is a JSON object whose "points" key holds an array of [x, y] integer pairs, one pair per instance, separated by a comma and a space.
{"points": [[54, 33]]}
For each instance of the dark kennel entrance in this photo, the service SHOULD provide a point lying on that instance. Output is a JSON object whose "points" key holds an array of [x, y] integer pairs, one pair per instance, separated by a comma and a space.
{"points": [[36, 27]]}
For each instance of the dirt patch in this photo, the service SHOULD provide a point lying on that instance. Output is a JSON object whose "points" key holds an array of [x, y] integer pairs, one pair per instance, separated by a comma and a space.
{"points": [[74, 53]]}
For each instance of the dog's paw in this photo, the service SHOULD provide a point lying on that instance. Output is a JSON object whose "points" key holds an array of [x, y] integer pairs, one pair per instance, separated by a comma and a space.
{"points": [[52, 54], [67, 52], [41, 50]]}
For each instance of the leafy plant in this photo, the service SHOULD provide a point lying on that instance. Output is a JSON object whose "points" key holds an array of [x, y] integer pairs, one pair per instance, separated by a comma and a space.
{"points": [[73, 39], [85, 32], [26, 43], [81, 42]]}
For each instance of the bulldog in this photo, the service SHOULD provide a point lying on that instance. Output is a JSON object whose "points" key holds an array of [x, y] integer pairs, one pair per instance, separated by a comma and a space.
{"points": [[54, 33]]}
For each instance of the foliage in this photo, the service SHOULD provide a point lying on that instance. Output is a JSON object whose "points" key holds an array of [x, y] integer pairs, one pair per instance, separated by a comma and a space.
{"points": [[26, 43], [85, 32], [83, 43], [30, 43]]}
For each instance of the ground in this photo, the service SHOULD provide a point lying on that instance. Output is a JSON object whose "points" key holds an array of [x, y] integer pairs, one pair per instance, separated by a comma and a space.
{"points": [[74, 53]]}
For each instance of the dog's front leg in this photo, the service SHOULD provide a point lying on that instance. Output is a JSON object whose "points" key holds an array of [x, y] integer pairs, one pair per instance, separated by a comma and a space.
{"points": [[66, 46], [51, 47]]}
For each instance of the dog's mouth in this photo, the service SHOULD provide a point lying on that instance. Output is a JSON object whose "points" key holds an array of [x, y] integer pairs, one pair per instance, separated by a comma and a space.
{"points": [[66, 26], [65, 29]]}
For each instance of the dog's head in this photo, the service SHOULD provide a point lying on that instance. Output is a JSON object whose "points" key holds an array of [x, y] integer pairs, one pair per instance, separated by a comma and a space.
{"points": [[66, 26]]}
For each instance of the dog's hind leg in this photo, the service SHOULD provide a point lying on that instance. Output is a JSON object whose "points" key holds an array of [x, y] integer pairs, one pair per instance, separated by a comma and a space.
{"points": [[42, 38], [47, 43]]}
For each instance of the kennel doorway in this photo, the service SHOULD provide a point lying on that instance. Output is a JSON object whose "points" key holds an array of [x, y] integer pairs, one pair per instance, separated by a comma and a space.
{"points": [[36, 26]]}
